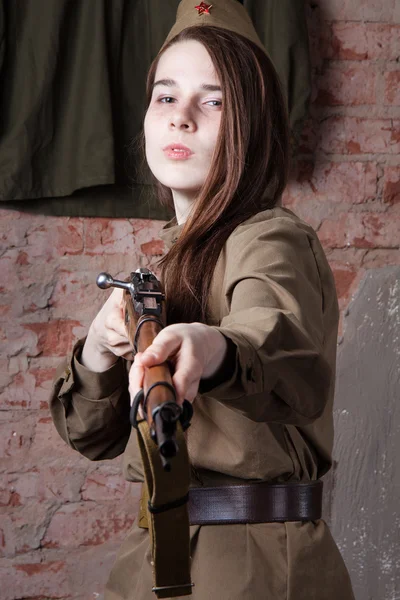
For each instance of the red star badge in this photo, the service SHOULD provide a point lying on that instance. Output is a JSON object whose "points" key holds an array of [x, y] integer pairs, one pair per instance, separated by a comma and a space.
{"points": [[203, 8]]}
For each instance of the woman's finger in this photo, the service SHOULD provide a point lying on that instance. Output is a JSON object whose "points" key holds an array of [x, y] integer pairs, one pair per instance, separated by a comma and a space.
{"points": [[187, 373], [136, 376], [123, 350], [164, 345], [186, 388], [114, 322]]}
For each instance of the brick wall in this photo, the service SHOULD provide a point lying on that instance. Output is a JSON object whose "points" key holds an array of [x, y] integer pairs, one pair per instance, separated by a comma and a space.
{"points": [[62, 517]]}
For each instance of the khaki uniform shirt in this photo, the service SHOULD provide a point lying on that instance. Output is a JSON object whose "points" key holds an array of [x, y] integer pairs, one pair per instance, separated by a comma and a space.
{"points": [[269, 418]]}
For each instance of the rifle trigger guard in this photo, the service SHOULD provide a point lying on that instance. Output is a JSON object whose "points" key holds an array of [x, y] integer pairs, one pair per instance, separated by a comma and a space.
{"points": [[135, 407]]}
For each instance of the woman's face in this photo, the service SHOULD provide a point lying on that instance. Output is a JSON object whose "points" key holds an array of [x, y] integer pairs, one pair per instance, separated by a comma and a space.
{"points": [[185, 109]]}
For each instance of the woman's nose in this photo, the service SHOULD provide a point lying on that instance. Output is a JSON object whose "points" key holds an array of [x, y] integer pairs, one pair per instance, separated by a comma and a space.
{"points": [[182, 119]]}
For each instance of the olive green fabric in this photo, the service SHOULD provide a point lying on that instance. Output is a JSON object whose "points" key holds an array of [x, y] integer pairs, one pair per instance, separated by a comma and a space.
{"points": [[72, 97], [136, 201], [282, 26], [168, 529], [268, 418]]}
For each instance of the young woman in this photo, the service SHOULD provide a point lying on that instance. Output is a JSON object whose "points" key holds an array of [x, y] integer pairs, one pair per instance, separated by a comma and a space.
{"points": [[252, 322]]}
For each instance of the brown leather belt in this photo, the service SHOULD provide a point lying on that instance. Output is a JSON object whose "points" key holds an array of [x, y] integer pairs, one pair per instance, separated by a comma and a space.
{"points": [[255, 503], [251, 503]]}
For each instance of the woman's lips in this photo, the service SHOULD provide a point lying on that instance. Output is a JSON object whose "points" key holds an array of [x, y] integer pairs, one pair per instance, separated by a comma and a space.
{"points": [[177, 151]]}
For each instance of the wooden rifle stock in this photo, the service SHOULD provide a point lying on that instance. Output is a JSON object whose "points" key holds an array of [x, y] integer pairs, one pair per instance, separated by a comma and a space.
{"points": [[144, 319]]}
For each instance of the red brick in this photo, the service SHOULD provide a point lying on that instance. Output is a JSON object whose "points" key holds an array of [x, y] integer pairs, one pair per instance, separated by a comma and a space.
{"points": [[308, 137], [348, 41], [383, 41], [43, 381], [328, 183], [154, 247], [392, 88], [145, 230], [361, 41], [16, 434], [351, 135], [40, 242], [33, 568], [102, 486], [8, 494], [8, 538], [333, 233], [381, 229], [109, 236], [60, 483], [22, 529], [49, 237], [5, 492], [55, 338], [23, 258], [308, 207], [34, 284], [86, 524], [44, 482], [43, 376], [391, 188], [13, 228], [361, 10], [68, 236], [77, 292], [29, 525], [9, 272], [346, 86], [13, 485], [344, 280], [18, 339], [377, 258], [18, 363], [5, 310], [5, 375], [362, 230], [37, 580], [347, 282], [20, 393]]}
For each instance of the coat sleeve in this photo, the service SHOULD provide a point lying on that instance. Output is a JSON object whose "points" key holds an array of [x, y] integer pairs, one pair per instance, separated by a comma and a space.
{"points": [[279, 372], [91, 410]]}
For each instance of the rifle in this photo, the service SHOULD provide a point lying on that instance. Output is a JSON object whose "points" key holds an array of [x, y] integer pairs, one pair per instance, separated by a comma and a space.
{"points": [[144, 319], [160, 436]]}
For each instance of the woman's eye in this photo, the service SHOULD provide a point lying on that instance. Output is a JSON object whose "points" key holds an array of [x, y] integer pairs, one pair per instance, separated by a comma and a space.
{"points": [[218, 102], [165, 98]]}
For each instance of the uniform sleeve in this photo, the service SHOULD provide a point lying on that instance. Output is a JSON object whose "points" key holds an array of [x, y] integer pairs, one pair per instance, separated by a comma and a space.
{"points": [[272, 287], [91, 410]]}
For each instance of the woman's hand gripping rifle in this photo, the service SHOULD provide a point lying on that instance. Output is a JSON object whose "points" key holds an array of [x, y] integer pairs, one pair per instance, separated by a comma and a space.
{"points": [[144, 319]]}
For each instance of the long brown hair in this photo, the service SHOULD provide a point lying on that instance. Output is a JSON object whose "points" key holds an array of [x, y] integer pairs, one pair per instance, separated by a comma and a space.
{"points": [[249, 168]]}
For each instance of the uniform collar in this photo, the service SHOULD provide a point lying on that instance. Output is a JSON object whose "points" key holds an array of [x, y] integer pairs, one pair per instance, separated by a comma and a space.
{"points": [[170, 232]]}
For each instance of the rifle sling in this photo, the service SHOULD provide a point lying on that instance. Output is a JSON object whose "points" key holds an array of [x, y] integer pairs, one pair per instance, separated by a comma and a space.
{"points": [[168, 520]]}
